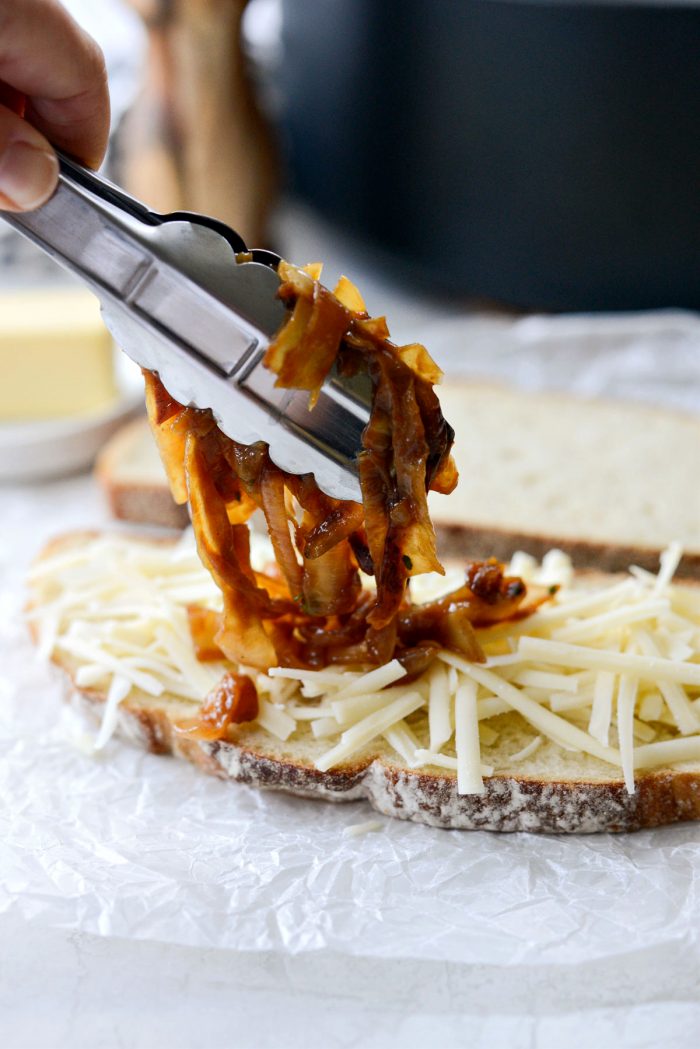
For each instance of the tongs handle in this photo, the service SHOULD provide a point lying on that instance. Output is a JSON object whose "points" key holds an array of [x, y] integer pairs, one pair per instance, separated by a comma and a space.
{"points": [[89, 227], [87, 224], [112, 242], [102, 189]]}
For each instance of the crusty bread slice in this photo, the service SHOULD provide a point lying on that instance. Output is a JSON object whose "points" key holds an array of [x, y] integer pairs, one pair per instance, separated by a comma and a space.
{"points": [[131, 475], [552, 791], [608, 482], [605, 481]]}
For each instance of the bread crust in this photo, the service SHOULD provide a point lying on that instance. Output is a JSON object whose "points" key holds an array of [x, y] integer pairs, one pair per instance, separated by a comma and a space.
{"points": [[144, 501], [145, 504], [462, 540]]}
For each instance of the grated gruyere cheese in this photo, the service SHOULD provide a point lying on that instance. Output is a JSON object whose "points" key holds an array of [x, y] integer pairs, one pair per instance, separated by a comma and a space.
{"points": [[467, 742], [611, 671]]}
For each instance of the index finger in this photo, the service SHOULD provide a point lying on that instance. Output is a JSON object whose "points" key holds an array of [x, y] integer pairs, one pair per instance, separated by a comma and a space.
{"points": [[60, 69]]}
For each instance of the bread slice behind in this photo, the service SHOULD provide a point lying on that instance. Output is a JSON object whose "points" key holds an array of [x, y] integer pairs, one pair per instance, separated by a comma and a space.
{"points": [[132, 477], [609, 482]]}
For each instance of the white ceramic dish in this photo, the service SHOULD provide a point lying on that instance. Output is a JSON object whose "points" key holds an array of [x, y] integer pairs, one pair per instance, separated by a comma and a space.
{"points": [[32, 451]]}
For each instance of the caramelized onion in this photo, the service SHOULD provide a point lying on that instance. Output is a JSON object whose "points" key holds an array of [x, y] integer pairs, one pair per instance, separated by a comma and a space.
{"points": [[272, 499], [204, 626], [232, 701], [416, 660], [312, 611], [339, 525]]}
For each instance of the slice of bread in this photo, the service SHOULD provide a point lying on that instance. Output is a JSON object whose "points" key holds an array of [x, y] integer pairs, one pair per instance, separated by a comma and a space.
{"points": [[552, 790], [131, 475], [609, 482]]}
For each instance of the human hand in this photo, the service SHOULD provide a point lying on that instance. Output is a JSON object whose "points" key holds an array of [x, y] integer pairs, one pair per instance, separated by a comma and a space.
{"points": [[53, 75]]}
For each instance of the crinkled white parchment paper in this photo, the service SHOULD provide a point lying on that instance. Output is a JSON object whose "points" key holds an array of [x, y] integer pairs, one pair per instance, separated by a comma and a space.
{"points": [[137, 846], [133, 845]]}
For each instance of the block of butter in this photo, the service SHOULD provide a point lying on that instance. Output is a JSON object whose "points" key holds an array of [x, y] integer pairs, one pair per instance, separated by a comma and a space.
{"points": [[56, 356]]}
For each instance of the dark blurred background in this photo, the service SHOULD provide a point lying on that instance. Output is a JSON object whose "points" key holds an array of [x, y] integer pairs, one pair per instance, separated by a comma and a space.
{"points": [[534, 155], [544, 155]]}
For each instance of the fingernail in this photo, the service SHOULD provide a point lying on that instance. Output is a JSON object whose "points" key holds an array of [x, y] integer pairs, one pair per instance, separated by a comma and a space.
{"points": [[27, 175]]}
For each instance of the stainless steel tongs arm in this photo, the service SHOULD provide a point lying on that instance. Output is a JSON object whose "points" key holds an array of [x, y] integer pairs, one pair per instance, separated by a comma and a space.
{"points": [[176, 272], [180, 303], [91, 228]]}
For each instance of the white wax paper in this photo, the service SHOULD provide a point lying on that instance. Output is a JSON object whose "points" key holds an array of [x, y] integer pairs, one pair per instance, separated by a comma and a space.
{"points": [[143, 847], [134, 845]]}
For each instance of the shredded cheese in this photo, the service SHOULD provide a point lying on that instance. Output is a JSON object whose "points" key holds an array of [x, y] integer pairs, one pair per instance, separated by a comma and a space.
{"points": [[445, 761], [597, 626], [612, 672], [626, 699], [557, 728], [400, 737], [439, 704], [322, 728], [651, 706], [353, 739], [548, 681], [118, 690], [356, 830], [677, 699], [467, 743], [373, 681], [602, 706], [649, 668], [670, 560], [276, 721], [528, 750], [351, 708], [667, 752]]}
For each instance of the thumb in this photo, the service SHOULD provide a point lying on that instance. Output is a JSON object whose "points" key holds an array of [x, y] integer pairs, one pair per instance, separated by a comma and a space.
{"points": [[28, 165]]}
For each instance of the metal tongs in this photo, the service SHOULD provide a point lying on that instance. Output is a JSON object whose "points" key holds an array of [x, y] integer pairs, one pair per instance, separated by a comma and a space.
{"points": [[183, 297]]}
